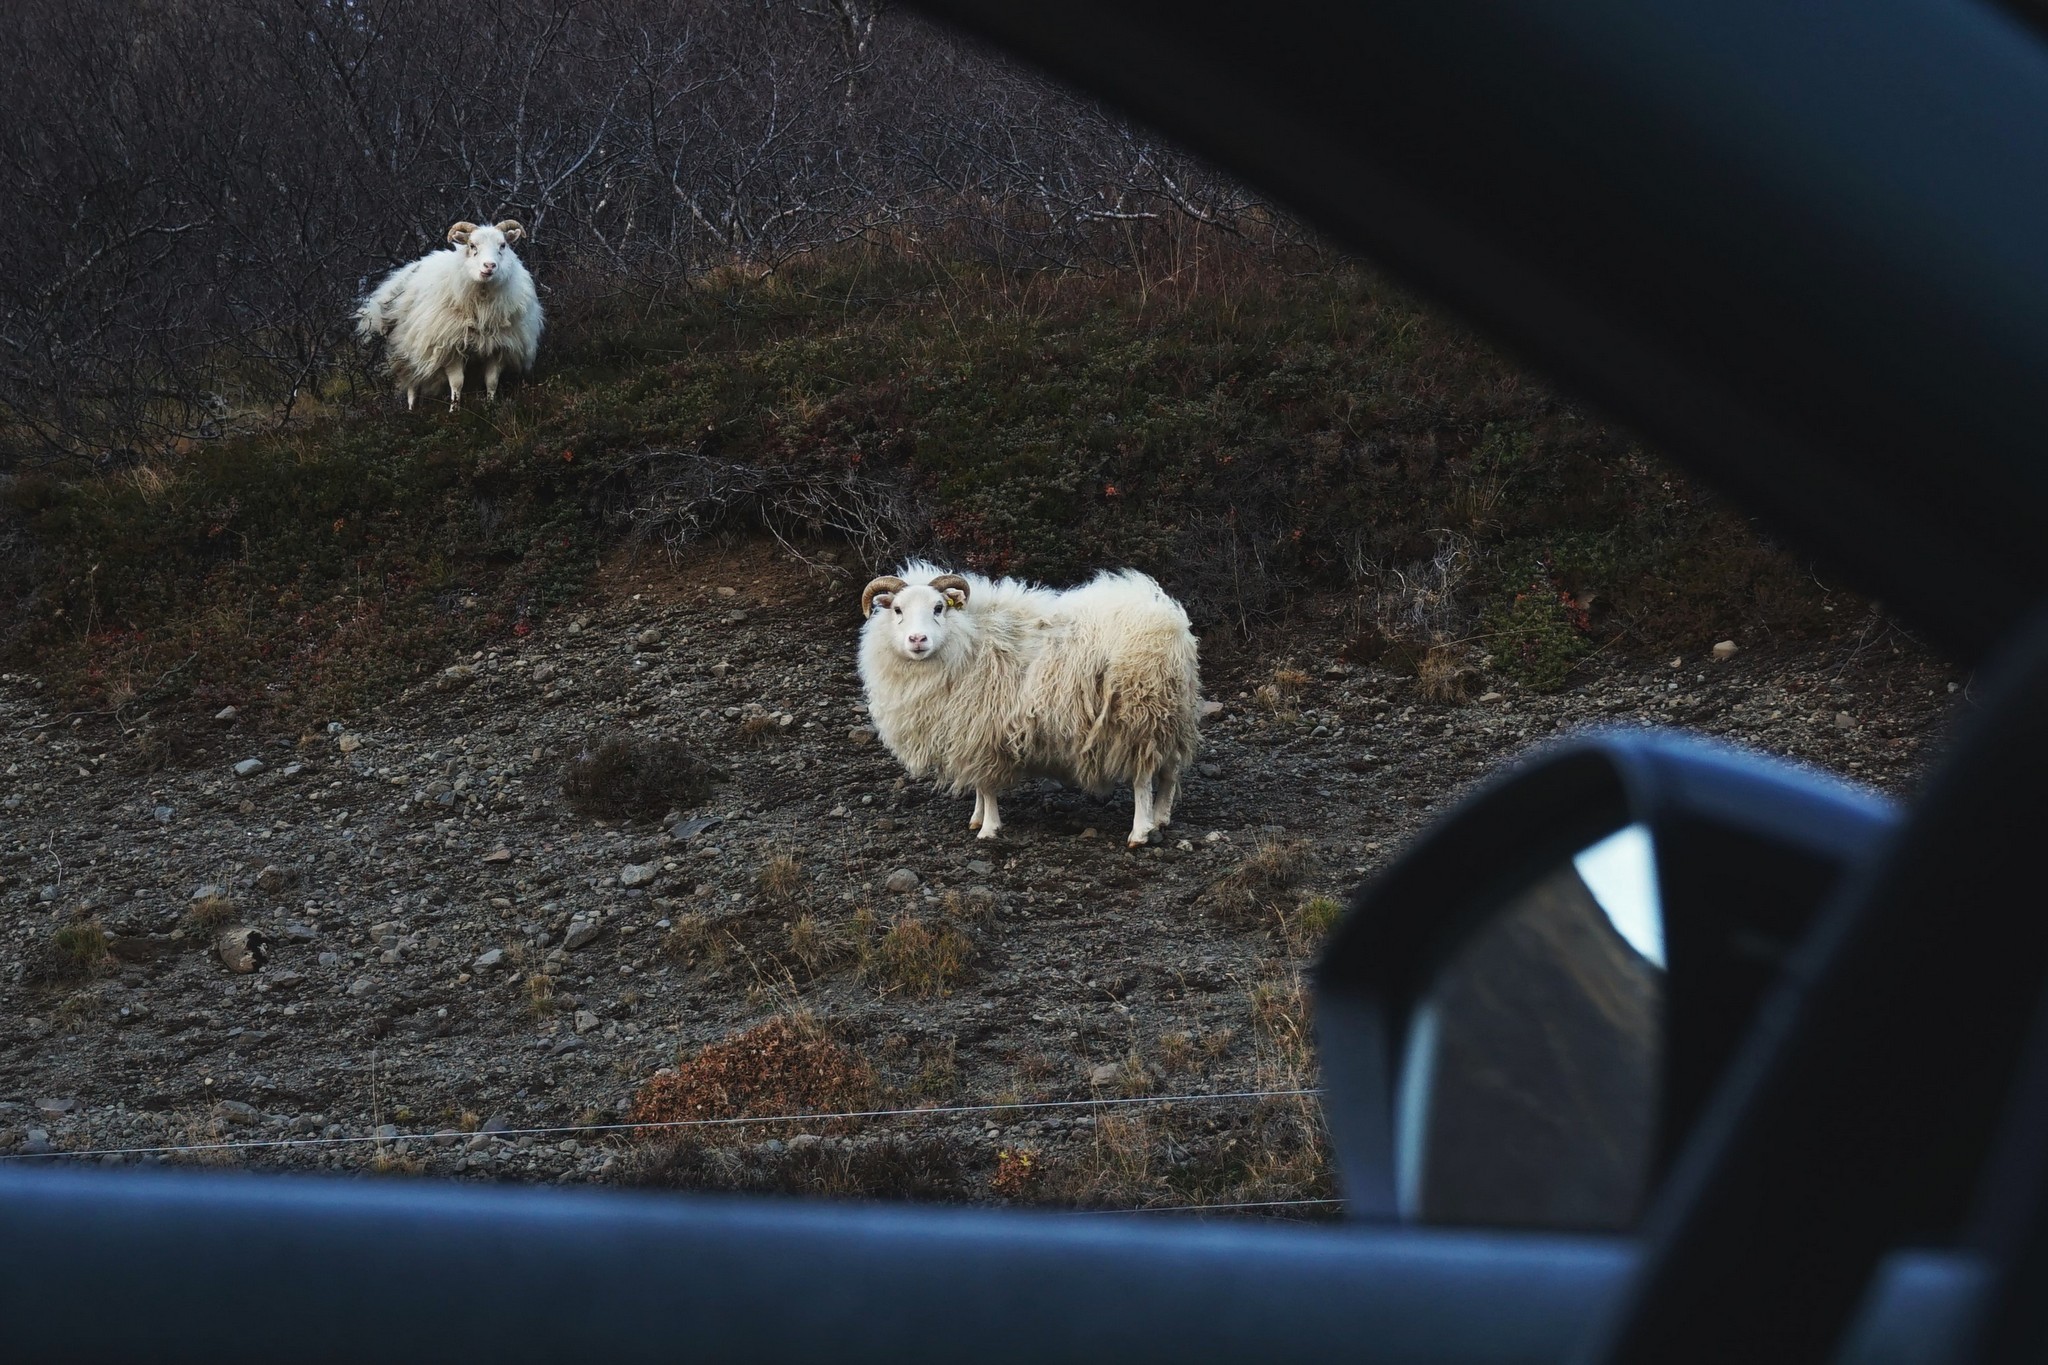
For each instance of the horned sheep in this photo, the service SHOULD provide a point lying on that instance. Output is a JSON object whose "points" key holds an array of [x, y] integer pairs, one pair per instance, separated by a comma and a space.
{"points": [[475, 301], [983, 684]]}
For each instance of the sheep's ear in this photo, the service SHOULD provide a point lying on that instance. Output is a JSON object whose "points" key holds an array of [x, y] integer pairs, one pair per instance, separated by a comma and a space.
{"points": [[955, 598], [954, 587], [883, 601], [459, 234], [512, 230]]}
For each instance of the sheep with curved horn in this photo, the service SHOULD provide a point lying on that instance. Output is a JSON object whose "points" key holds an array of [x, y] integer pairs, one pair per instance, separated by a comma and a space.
{"points": [[473, 302], [983, 684]]}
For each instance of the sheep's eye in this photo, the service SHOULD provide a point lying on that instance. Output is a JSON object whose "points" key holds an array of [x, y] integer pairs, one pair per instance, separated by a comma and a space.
{"points": [[939, 610]]}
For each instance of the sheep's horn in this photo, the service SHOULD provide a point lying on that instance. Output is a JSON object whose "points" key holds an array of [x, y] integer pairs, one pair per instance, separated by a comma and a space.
{"points": [[459, 234], [513, 229], [880, 585], [951, 583]]}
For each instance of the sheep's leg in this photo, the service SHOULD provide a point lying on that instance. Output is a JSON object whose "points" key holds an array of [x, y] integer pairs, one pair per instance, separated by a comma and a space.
{"points": [[1143, 821], [455, 383], [985, 814], [411, 392], [491, 369], [1162, 798]]}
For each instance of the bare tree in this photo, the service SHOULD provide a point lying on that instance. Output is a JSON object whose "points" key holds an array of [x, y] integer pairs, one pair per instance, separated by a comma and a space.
{"points": [[200, 190]]}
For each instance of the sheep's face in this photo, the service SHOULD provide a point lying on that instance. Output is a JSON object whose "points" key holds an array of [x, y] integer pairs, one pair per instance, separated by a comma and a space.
{"points": [[918, 619], [485, 249]]}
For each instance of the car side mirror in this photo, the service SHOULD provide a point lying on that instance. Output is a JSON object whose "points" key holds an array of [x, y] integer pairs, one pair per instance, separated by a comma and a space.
{"points": [[1520, 1020]]}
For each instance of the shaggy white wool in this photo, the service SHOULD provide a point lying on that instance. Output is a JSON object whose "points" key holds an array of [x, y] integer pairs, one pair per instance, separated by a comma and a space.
{"points": [[474, 301], [988, 683]]}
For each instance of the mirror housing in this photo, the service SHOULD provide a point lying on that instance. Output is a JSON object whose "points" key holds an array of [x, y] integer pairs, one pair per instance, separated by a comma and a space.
{"points": [[1746, 849]]}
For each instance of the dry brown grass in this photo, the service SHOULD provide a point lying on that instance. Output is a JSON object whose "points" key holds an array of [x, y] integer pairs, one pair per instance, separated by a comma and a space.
{"points": [[1169, 1156], [1280, 1018], [938, 1074], [1177, 1052], [194, 1135], [540, 995], [79, 1008], [692, 940], [780, 878], [1289, 681], [1033, 1067], [394, 1163], [817, 946], [1131, 1079], [1445, 673], [968, 909], [210, 914]]}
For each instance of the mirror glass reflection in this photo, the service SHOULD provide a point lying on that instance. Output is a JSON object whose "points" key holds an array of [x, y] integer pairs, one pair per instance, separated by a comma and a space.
{"points": [[1528, 1094]]}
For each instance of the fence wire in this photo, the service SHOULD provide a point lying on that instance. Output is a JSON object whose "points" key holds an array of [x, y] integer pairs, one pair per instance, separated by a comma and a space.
{"points": [[587, 1129]]}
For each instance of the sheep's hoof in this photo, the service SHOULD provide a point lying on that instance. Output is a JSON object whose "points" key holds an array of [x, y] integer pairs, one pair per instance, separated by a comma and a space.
{"points": [[989, 831]]}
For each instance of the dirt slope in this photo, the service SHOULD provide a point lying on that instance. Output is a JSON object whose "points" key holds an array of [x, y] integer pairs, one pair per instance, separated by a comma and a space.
{"points": [[383, 859]]}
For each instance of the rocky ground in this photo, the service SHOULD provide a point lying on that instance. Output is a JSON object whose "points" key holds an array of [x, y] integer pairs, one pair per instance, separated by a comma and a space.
{"points": [[444, 953]]}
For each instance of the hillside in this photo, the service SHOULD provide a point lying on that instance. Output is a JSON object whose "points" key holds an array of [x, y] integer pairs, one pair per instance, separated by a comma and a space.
{"points": [[348, 684]]}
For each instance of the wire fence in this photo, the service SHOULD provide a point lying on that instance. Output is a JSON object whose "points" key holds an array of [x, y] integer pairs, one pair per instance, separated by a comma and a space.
{"points": [[585, 1130]]}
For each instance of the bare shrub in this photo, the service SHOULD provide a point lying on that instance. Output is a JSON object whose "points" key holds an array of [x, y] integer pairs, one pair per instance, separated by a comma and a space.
{"points": [[1421, 615], [675, 498], [760, 726]]}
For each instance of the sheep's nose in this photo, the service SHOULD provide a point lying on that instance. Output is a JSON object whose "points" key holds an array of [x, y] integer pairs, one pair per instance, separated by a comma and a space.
{"points": [[487, 268], [920, 641]]}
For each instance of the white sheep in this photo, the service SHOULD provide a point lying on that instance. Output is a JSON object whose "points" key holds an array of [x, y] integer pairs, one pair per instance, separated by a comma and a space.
{"points": [[984, 684], [475, 301]]}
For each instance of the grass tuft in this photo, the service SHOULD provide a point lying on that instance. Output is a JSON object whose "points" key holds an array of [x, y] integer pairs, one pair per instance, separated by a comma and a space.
{"points": [[1310, 922], [780, 878], [210, 914], [1261, 886], [72, 953], [914, 955]]}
